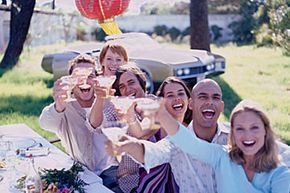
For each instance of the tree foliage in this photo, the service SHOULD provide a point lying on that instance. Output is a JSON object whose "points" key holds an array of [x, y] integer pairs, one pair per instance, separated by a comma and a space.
{"points": [[243, 30], [279, 13], [183, 8], [265, 23], [223, 6]]}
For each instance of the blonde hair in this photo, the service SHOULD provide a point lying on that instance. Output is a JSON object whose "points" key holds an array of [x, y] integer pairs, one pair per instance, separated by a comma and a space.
{"points": [[267, 157], [115, 48]]}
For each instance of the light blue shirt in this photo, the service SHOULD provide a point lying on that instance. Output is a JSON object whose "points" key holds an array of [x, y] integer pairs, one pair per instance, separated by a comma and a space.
{"points": [[231, 177], [191, 175]]}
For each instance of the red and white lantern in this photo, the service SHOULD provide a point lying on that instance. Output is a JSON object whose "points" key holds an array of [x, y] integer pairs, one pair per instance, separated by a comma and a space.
{"points": [[104, 11]]}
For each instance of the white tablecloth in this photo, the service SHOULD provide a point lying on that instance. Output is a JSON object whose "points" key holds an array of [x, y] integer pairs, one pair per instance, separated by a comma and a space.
{"points": [[55, 159]]}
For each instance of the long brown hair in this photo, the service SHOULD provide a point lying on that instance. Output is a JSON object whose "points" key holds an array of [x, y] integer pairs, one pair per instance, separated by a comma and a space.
{"points": [[267, 157], [172, 79]]}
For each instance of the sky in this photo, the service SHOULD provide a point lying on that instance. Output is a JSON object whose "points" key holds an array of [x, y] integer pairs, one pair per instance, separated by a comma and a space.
{"points": [[133, 9]]}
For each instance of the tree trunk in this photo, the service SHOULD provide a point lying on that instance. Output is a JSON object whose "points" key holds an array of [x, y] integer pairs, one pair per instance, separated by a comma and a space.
{"points": [[21, 13], [53, 4], [199, 25]]}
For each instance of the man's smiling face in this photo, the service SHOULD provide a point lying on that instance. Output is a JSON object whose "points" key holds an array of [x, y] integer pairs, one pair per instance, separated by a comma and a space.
{"points": [[85, 94], [206, 104], [130, 86]]}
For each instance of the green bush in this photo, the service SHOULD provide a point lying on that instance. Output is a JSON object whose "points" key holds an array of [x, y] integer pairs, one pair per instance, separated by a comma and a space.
{"points": [[215, 32], [99, 34], [243, 30], [265, 23], [174, 33], [160, 30], [279, 21], [186, 31], [263, 36]]}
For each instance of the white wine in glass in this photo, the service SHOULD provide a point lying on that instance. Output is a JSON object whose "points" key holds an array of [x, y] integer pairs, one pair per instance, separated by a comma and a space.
{"points": [[70, 82], [122, 103], [106, 81], [114, 130], [83, 73], [149, 107]]}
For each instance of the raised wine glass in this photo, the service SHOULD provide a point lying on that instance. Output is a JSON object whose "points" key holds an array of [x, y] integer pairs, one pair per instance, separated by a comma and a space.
{"points": [[82, 73], [99, 69], [122, 103], [106, 81], [114, 130], [70, 82], [149, 107]]}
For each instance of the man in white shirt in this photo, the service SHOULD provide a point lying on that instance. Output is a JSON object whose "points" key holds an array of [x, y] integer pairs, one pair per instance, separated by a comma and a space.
{"points": [[67, 120]]}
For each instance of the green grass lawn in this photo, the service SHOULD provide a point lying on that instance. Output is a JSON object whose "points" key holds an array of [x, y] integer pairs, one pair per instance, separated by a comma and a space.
{"points": [[261, 74], [26, 89]]}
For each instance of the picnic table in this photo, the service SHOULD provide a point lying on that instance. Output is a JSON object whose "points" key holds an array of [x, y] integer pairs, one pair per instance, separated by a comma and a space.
{"points": [[56, 159]]}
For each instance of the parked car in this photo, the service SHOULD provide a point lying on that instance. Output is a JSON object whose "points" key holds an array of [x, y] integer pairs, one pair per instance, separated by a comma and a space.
{"points": [[156, 60]]}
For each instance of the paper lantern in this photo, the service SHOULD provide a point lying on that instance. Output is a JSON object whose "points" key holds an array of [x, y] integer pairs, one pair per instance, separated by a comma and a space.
{"points": [[104, 11]]}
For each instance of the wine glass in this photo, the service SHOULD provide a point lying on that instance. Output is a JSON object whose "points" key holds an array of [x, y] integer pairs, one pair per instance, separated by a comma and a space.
{"points": [[149, 106], [83, 73], [8, 156], [99, 69], [114, 130], [18, 171], [4, 147], [122, 103], [70, 82], [7, 153], [3, 150], [106, 81]]}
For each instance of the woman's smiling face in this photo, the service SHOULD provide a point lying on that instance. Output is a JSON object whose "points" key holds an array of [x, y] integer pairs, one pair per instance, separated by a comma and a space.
{"points": [[112, 61], [176, 99], [249, 132]]}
